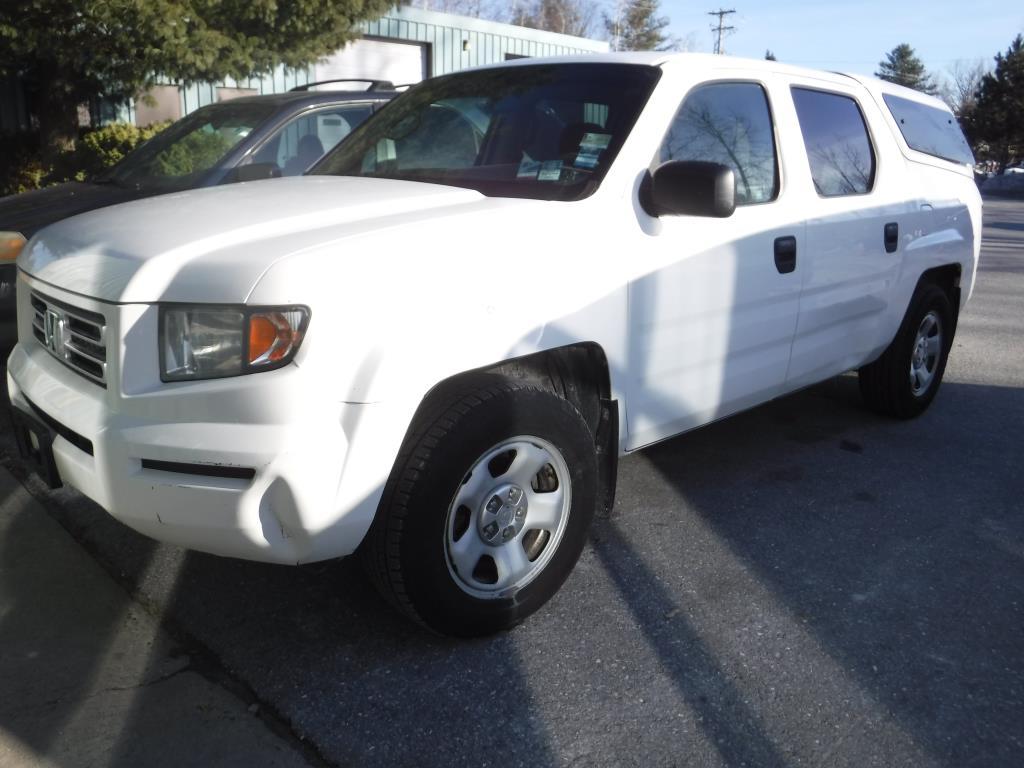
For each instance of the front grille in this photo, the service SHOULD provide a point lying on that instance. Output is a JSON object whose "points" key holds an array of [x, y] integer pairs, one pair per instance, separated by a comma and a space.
{"points": [[76, 337]]}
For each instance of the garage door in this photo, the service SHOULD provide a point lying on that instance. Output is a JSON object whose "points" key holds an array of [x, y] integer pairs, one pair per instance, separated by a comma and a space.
{"points": [[399, 62]]}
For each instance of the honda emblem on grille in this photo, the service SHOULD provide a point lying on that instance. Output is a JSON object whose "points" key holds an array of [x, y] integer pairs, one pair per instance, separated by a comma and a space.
{"points": [[54, 329]]}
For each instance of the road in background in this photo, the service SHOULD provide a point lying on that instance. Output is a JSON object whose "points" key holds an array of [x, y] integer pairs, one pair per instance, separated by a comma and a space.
{"points": [[804, 584]]}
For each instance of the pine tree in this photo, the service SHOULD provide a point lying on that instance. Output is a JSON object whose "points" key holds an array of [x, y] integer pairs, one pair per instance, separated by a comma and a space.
{"points": [[769, 55], [72, 51], [902, 66], [637, 27], [997, 118]]}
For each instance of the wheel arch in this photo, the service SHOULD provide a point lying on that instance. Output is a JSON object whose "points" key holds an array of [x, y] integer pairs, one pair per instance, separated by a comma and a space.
{"points": [[578, 372], [947, 277]]}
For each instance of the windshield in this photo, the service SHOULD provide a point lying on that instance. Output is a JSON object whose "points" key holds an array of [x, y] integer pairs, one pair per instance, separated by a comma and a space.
{"points": [[546, 131], [181, 154]]}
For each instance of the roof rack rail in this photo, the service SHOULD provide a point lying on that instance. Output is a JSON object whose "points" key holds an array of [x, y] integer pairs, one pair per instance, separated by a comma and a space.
{"points": [[373, 85]]}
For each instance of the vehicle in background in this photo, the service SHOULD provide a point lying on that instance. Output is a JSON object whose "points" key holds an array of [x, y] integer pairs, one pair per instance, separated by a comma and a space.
{"points": [[254, 137]]}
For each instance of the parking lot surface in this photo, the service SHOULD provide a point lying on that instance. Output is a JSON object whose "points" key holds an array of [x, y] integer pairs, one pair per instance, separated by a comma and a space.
{"points": [[804, 584]]}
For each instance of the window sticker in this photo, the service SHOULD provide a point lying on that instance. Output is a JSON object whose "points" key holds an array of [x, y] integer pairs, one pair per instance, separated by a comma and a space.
{"points": [[528, 169], [550, 170], [591, 147]]}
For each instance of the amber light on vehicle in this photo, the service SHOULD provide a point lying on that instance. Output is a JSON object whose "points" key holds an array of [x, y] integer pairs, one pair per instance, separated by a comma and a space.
{"points": [[206, 341], [273, 336], [11, 244]]}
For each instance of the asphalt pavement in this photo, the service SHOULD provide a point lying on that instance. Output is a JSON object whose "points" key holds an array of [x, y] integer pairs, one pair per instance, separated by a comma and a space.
{"points": [[804, 584], [88, 676]]}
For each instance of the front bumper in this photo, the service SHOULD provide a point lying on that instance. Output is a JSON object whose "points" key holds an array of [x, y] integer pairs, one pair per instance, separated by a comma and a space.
{"points": [[262, 467]]}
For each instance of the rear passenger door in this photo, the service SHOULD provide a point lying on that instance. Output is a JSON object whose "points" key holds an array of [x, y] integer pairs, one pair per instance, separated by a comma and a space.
{"points": [[712, 319], [855, 222]]}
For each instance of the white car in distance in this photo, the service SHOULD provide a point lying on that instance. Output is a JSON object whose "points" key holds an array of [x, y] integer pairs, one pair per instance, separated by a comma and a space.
{"points": [[435, 348]]}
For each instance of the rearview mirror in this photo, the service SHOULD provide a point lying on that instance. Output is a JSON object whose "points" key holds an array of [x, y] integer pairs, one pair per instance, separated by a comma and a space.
{"points": [[254, 172], [689, 188]]}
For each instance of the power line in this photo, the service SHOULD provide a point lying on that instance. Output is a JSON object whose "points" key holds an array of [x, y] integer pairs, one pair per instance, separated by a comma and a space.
{"points": [[721, 13]]}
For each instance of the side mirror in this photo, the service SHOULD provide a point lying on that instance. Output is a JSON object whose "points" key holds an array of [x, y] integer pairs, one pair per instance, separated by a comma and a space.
{"points": [[253, 172], [689, 187]]}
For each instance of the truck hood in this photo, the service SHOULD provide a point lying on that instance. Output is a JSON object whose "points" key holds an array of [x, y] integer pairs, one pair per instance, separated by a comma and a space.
{"points": [[213, 245]]}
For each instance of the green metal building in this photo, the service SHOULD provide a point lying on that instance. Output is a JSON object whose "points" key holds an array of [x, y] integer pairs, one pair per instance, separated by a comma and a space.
{"points": [[405, 46]]}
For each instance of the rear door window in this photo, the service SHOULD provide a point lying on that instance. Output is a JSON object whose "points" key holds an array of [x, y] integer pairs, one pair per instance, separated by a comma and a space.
{"points": [[929, 129], [729, 124], [837, 142]]}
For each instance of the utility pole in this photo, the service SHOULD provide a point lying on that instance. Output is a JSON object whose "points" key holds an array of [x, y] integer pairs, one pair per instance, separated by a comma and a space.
{"points": [[721, 13]]}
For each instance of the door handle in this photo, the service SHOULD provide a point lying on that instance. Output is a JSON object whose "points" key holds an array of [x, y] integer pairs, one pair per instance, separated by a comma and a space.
{"points": [[892, 237], [785, 254]]}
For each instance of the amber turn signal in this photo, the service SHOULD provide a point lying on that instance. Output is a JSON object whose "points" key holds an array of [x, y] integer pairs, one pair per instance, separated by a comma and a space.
{"points": [[11, 244], [273, 335]]}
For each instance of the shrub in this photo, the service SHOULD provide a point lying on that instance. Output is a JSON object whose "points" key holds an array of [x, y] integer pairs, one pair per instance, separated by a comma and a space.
{"points": [[20, 167], [197, 151], [96, 149]]}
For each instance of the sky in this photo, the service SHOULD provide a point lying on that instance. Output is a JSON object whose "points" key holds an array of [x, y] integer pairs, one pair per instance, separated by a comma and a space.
{"points": [[853, 36]]}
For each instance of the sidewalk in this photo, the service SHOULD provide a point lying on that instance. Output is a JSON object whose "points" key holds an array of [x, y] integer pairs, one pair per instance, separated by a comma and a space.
{"points": [[87, 678]]}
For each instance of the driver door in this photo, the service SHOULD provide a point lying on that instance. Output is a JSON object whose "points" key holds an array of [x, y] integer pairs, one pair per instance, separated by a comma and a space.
{"points": [[712, 318]]}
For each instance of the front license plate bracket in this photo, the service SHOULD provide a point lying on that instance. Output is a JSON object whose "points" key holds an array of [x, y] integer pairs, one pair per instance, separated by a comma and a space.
{"points": [[35, 445]]}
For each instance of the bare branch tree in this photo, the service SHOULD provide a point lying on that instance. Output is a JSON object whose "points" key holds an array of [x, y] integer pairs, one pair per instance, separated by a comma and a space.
{"points": [[960, 87], [492, 9], [569, 17]]}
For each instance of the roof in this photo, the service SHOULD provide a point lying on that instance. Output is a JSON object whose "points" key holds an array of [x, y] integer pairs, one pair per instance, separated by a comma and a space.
{"points": [[720, 62], [879, 86]]}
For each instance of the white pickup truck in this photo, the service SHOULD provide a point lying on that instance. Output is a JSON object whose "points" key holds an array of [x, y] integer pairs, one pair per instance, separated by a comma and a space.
{"points": [[435, 348]]}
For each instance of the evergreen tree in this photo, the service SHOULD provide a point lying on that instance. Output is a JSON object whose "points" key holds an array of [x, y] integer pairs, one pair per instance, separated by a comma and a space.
{"points": [[637, 27], [72, 51], [769, 55], [902, 66], [997, 118]]}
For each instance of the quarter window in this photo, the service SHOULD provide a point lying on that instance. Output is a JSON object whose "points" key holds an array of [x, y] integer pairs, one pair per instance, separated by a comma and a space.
{"points": [[930, 130], [836, 138], [729, 124]]}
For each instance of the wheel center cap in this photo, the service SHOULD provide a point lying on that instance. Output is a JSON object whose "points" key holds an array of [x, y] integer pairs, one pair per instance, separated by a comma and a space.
{"points": [[503, 515]]}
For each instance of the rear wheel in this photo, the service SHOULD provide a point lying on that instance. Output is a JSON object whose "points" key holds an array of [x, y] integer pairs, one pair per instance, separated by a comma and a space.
{"points": [[488, 507], [905, 379]]}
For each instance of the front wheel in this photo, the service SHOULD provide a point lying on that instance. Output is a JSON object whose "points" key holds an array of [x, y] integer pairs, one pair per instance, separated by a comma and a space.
{"points": [[487, 509], [905, 379]]}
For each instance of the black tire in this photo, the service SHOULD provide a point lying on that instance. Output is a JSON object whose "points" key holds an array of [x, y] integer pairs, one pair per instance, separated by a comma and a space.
{"points": [[888, 384], [407, 551]]}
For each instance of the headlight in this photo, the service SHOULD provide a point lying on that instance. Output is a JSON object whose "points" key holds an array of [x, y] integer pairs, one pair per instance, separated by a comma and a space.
{"points": [[11, 244], [210, 342]]}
